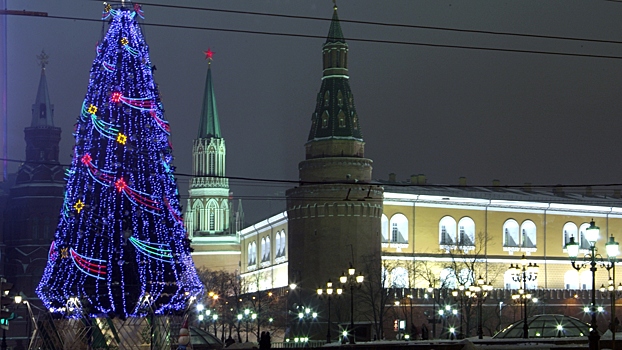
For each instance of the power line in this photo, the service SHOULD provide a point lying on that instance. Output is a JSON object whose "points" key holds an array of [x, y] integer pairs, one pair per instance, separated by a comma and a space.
{"points": [[376, 41], [362, 184], [384, 24]]}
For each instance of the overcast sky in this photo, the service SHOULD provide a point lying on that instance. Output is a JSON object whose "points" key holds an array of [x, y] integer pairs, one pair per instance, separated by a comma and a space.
{"points": [[439, 111]]}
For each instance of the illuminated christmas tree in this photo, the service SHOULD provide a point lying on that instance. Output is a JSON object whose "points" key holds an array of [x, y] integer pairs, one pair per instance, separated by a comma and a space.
{"points": [[120, 244]]}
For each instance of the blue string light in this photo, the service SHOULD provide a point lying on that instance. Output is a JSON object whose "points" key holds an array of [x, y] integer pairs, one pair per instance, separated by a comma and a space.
{"points": [[118, 188]]}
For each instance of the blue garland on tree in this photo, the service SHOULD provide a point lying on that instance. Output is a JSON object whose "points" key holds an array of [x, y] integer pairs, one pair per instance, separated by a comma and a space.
{"points": [[120, 247]]}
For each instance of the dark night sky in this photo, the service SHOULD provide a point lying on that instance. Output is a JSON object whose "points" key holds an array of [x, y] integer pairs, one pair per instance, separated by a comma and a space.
{"points": [[443, 112]]}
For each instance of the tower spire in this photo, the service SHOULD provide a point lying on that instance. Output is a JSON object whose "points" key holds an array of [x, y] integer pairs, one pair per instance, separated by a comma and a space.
{"points": [[335, 129], [209, 125], [42, 109]]}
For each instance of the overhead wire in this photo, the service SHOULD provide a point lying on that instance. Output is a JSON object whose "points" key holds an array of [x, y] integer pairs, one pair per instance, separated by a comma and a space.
{"points": [[382, 41]]}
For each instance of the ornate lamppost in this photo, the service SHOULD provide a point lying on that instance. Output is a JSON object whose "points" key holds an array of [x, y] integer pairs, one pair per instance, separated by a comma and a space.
{"points": [[592, 234], [455, 293], [523, 273], [613, 249], [351, 280], [481, 290], [248, 316], [329, 292], [431, 290]]}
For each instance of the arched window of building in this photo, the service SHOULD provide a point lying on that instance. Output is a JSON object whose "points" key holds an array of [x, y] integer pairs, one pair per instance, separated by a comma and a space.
{"points": [[466, 233], [448, 278], [399, 229], [384, 228], [278, 244], [263, 249], [585, 280], [339, 99], [528, 235], [250, 253], [283, 242], [511, 239], [399, 277], [386, 281], [583, 243], [466, 277], [569, 230], [571, 279], [326, 98], [325, 120], [447, 232], [508, 282]]}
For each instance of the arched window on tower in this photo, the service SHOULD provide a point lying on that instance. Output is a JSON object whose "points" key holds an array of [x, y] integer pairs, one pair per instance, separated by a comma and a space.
{"points": [[326, 98], [212, 161], [342, 119], [339, 99], [325, 120]]}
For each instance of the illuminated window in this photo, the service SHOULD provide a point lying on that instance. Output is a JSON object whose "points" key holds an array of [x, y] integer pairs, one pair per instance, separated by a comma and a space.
{"points": [[569, 231], [447, 232], [212, 220], [528, 236], [399, 277], [342, 119], [384, 222], [583, 243], [511, 240], [325, 120], [399, 229], [212, 163], [466, 233]]}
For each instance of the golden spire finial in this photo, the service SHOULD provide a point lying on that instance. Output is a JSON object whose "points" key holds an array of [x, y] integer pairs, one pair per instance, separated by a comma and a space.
{"points": [[43, 59], [335, 5]]}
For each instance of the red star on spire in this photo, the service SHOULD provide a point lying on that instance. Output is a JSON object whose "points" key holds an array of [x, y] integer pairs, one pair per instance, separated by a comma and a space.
{"points": [[208, 54]]}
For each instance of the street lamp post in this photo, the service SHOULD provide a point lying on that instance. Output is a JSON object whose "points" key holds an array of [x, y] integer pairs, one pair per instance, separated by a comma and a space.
{"points": [[247, 315], [481, 290], [431, 291], [352, 280], [524, 273], [329, 292], [455, 293], [613, 249], [613, 293], [592, 234]]}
